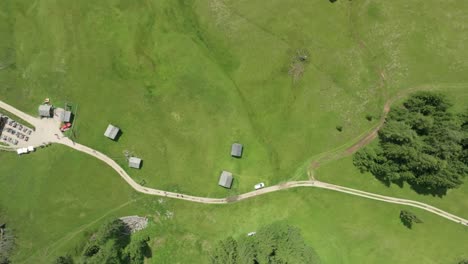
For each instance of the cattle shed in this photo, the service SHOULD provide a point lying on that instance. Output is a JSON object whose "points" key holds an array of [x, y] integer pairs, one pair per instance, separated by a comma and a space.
{"points": [[45, 110], [225, 180], [236, 150], [111, 131], [65, 116], [134, 162]]}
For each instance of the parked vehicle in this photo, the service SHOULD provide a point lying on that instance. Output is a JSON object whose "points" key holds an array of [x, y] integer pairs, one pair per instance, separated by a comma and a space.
{"points": [[65, 127], [259, 186]]}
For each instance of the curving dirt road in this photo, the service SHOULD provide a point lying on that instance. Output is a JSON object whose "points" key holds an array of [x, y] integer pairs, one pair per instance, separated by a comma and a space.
{"points": [[50, 133]]}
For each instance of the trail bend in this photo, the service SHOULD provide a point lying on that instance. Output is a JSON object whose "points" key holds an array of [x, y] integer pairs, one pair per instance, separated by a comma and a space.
{"points": [[50, 133]]}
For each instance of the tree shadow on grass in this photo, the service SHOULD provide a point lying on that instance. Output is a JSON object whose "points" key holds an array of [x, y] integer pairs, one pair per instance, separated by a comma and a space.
{"points": [[438, 192], [423, 190], [147, 252]]}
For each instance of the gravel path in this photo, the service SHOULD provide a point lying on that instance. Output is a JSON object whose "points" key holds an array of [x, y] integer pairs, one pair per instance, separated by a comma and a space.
{"points": [[50, 132]]}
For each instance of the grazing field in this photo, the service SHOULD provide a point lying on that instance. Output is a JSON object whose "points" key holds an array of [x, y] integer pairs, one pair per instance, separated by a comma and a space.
{"points": [[53, 201], [343, 172], [184, 79], [48, 195]]}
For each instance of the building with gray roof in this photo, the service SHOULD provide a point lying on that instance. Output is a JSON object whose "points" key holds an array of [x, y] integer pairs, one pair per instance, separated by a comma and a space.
{"points": [[236, 150], [134, 162], [45, 110], [111, 131], [225, 180], [65, 116]]}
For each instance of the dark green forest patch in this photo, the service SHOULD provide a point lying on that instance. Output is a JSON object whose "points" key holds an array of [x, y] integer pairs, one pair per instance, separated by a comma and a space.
{"points": [[422, 143]]}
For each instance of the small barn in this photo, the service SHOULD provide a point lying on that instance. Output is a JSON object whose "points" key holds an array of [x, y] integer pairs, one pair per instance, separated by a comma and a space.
{"points": [[65, 116], [45, 110], [111, 131], [236, 150], [134, 162], [225, 180]]}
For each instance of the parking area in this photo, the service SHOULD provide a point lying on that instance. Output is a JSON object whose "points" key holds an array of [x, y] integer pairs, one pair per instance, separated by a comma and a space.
{"points": [[14, 133]]}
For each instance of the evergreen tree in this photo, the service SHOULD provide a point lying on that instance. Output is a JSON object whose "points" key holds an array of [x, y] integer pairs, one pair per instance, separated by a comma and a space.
{"points": [[275, 243], [420, 143], [408, 218], [136, 251], [225, 252]]}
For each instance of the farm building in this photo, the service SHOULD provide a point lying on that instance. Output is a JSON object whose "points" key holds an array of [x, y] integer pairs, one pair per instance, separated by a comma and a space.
{"points": [[236, 150], [111, 131], [134, 162], [65, 116], [225, 180], [45, 110]]}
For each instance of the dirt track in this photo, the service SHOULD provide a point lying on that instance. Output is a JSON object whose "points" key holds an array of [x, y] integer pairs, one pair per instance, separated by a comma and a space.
{"points": [[50, 129]]}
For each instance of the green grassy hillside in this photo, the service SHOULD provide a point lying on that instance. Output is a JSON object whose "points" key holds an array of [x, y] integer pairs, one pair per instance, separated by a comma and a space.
{"points": [[55, 197], [185, 79]]}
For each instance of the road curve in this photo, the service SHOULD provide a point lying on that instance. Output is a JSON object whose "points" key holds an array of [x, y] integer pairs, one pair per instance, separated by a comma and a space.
{"points": [[45, 124]]}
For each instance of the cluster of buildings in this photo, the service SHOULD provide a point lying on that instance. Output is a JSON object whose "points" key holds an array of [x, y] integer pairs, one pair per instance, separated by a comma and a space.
{"points": [[46, 110], [225, 179], [113, 133]]}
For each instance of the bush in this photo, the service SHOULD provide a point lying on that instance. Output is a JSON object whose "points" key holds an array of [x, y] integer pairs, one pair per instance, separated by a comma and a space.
{"points": [[64, 260], [408, 218]]}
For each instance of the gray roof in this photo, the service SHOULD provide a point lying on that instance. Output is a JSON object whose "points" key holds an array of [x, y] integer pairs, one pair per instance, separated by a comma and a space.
{"points": [[134, 162], [111, 131], [45, 110], [236, 150], [225, 179], [65, 116]]}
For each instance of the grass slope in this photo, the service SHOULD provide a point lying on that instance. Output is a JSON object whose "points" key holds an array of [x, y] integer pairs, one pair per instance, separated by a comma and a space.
{"points": [[184, 79], [50, 194], [344, 173], [56, 197]]}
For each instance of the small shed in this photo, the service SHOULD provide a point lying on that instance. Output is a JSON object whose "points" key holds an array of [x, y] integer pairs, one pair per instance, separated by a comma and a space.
{"points": [[236, 150], [134, 162], [111, 131], [225, 180], [65, 116], [45, 110]]}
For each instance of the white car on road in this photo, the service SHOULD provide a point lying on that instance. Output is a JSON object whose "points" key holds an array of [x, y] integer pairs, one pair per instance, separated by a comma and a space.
{"points": [[259, 185]]}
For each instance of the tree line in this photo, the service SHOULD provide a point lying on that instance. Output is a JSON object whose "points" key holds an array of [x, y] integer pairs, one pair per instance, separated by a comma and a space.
{"points": [[274, 244], [112, 243], [422, 143]]}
